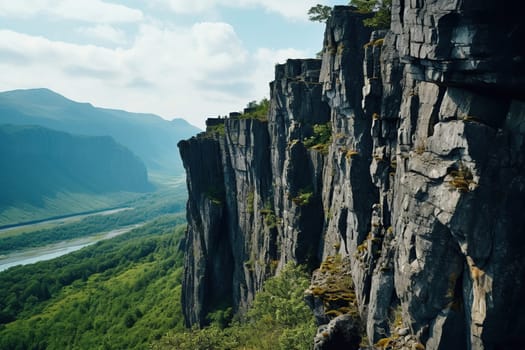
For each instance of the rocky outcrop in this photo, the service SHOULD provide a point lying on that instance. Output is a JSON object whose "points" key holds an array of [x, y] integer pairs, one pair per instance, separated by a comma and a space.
{"points": [[255, 194], [419, 189], [446, 191]]}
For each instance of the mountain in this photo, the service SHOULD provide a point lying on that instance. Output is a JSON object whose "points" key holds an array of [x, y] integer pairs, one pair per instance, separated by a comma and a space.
{"points": [[393, 168], [39, 164], [149, 136]]}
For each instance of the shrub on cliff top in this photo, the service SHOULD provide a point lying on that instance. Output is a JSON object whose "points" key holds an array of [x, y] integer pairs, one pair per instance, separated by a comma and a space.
{"points": [[380, 8], [257, 110]]}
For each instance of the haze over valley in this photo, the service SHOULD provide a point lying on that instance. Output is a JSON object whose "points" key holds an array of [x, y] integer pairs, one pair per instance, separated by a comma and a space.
{"points": [[61, 157]]}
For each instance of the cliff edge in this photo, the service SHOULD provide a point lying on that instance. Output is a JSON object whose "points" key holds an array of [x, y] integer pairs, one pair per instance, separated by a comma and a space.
{"points": [[396, 161]]}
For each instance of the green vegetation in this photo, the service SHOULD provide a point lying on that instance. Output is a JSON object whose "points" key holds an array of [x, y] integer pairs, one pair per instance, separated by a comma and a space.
{"points": [[145, 208], [278, 319], [63, 203], [258, 110], [304, 197], [250, 201], [319, 13], [218, 129], [118, 294], [215, 194], [380, 8], [270, 219], [320, 139]]}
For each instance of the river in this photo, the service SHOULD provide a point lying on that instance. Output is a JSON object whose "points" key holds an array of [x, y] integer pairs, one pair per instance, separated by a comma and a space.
{"points": [[33, 255]]}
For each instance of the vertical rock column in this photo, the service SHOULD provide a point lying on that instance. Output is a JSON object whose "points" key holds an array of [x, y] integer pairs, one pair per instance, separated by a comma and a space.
{"points": [[349, 193], [296, 110], [208, 262]]}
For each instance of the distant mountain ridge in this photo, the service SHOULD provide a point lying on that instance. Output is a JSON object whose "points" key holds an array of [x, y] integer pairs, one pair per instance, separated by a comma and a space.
{"points": [[38, 163], [149, 136]]}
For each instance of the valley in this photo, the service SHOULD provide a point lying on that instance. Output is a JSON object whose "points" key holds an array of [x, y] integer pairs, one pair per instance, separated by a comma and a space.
{"points": [[48, 252]]}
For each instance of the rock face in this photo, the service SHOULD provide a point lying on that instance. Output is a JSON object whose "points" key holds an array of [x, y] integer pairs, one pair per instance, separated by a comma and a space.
{"points": [[420, 187], [255, 195]]}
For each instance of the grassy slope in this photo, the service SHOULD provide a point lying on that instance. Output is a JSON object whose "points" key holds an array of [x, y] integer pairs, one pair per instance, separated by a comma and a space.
{"points": [[64, 203]]}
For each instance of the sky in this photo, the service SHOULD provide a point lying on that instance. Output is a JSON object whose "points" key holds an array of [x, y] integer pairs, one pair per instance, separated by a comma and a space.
{"points": [[188, 59]]}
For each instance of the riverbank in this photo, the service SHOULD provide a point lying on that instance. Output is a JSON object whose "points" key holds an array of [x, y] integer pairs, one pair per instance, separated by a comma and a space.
{"points": [[51, 251]]}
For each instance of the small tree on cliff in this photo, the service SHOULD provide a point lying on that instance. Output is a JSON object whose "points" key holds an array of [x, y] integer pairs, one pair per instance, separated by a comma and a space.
{"points": [[380, 8], [319, 13]]}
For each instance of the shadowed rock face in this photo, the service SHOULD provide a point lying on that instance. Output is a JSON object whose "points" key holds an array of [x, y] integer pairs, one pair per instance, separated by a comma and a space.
{"points": [[246, 218], [421, 187]]}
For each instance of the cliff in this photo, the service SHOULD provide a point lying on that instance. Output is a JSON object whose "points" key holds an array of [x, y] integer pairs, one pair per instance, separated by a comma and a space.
{"points": [[416, 194]]}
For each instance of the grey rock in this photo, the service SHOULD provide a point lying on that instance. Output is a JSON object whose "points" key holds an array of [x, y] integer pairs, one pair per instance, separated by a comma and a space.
{"points": [[343, 332], [421, 190]]}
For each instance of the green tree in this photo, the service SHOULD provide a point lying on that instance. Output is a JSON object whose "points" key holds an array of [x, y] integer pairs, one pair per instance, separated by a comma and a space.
{"points": [[278, 319], [380, 8], [319, 13]]}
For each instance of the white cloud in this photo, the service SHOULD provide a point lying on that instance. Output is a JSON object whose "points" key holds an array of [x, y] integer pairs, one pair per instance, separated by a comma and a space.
{"points": [[95, 11], [104, 32], [189, 72], [293, 9]]}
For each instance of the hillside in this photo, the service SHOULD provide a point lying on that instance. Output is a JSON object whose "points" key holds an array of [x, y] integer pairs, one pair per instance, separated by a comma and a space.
{"points": [[116, 294], [40, 165], [148, 136]]}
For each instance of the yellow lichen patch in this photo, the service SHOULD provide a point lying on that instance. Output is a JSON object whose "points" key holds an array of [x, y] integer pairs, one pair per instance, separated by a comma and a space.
{"points": [[393, 163], [383, 343], [378, 42], [476, 272], [351, 153], [334, 287], [333, 313], [470, 118], [317, 291], [462, 179], [420, 149]]}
